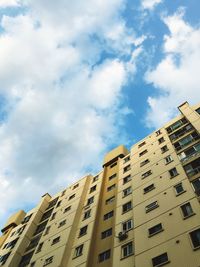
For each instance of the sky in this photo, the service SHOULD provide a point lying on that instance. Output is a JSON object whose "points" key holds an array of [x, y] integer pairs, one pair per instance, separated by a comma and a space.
{"points": [[78, 78]]}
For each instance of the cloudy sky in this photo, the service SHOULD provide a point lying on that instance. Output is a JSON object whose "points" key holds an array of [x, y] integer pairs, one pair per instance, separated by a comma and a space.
{"points": [[78, 78]]}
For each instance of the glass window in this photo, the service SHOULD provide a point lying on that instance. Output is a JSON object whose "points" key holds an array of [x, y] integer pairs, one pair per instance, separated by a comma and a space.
{"points": [[126, 179], [78, 251], [128, 225], [83, 231], [168, 159], [187, 210], [127, 250], [179, 189], [151, 206], [108, 215], [195, 237], [160, 260], [104, 255], [126, 207], [127, 191], [106, 233], [149, 188], [87, 214], [155, 229], [173, 172]]}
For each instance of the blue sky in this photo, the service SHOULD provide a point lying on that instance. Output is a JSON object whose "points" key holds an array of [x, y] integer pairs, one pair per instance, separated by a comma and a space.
{"points": [[78, 78]]}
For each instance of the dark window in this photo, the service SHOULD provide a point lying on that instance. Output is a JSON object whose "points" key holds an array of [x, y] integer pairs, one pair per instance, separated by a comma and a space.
{"points": [[108, 215], [164, 149], [112, 176], [149, 188], [126, 179], [144, 162], [187, 210], [195, 237], [27, 218], [46, 215], [52, 203], [198, 111], [196, 186], [111, 187], [86, 214], [143, 152], [58, 204], [126, 207], [78, 251], [179, 189], [127, 250], [146, 174], [47, 230], [72, 196], [4, 258], [173, 172], [151, 206], [32, 264], [141, 144], [40, 228], [39, 247], [110, 200], [168, 159], [67, 209], [95, 178], [62, 223], [127, 159], [160, 260], [93, 188], [158, 132], [83, 231], [48, 261], [34, 242], [155, 229], [106, 233], [127, 168], [55, 240], [75, 186], [128, 225], [25, 260], [90, 200], [161, 140], [12, 243], [53, 216], [113, 165], [104, 255], [127, 191]]}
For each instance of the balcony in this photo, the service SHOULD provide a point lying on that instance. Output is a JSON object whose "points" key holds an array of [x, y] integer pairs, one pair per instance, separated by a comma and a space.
{"points": [[193, 168], [176, 125], [190, 154], [188, 128], [186, 141]]}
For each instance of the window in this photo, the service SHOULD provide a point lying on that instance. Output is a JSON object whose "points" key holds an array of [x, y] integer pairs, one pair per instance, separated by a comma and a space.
{"points": [[95, 178], [127, 191], [75, 186], [144, 162], [158, 132], [143, 152], [112, 176], [127, 168], [92, 189], [63, 193], [104, 255], [187, 210], [113, 165], [176, 125], [146, 174], [26, 259], [20, 230], [90, 200], [126, 207], [32, 264], [72, 196], [128, 225], [83, 231], [127, 159], [149, 188], [11, 244], [196, 186], [53, 216], [173, 172], [198, 111], [58, 204], [161, 140], [78, 251], [110, 200], [141, 144], [151, 206], [67, 209], [126, 179], [40, 228], [160, 260], [155, 229], [52, 203], [48, 261], [168, 159], [164, 149], [27, 218], [106, 233], [179, 189], [86, 214], [108, 215], [47, 230], [62, 223], [55, 240], [4, 258], [46, 215], [127, 250], [39, 247], [111, 187], [195, 237]]}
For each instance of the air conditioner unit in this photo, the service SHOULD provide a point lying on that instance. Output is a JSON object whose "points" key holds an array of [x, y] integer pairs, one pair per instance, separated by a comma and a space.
{"points": [[122, 236]]}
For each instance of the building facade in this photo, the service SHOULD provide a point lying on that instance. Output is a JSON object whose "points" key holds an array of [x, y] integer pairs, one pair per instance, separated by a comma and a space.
{"points": [[141, 210]]}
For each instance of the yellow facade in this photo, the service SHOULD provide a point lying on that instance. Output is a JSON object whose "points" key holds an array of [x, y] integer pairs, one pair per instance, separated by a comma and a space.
{"points": [[141, 210]]}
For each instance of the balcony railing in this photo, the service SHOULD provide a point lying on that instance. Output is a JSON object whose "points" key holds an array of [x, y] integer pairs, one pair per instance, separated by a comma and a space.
{"points": [[193, 172], [175, 137], [193, 155], [186, 144]]}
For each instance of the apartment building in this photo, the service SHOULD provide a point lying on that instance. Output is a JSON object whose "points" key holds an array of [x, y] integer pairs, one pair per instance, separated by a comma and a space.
{"points": [[141, 210]]}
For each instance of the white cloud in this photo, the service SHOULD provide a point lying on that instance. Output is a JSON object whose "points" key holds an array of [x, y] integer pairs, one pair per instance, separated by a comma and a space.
{"points": [[177, 75], [62, 104], [150, 4], [8, 3]]}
